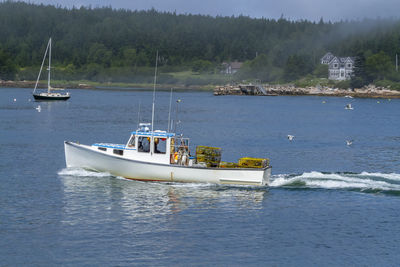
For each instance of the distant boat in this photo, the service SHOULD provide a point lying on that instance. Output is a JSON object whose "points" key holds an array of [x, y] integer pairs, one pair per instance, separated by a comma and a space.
{"points": [[49, 95], [348, 96], [349, 142], [348, 106], [290, 137]]}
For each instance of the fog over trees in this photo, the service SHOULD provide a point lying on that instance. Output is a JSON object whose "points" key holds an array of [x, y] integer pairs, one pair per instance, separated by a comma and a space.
{"points": [[104, 44]]}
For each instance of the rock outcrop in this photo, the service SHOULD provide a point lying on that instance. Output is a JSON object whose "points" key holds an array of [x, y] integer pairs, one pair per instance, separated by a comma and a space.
{"points": [[370, 91]]}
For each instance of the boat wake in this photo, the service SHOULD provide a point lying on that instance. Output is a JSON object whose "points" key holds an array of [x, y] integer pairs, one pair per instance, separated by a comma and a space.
{"points": [[366, 182], [79, 172], [363, 182]]}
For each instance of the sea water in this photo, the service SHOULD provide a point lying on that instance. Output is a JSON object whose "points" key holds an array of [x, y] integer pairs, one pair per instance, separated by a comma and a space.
{"points": [[328, 203]]}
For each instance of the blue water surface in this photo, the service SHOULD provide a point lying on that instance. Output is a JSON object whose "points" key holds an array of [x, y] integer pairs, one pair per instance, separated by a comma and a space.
{"points": [[328, 203]]}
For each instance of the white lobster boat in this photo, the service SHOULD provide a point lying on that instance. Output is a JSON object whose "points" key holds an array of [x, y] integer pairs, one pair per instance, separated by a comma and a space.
{"points": [[157, 156], [154, 155]]}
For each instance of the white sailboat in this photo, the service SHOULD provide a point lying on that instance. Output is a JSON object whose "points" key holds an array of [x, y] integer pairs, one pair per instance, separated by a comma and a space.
{"points": [[49, 95], [155, 155]]}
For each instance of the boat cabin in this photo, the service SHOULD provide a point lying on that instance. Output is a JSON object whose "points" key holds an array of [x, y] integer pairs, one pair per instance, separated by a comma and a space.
{"points": [[157, 147]]}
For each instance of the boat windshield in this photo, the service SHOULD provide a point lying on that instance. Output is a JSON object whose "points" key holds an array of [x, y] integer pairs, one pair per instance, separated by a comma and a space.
{"points": [[131, 142]]}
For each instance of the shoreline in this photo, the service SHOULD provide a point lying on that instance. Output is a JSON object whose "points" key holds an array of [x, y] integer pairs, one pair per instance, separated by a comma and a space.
{"points": [[370, 91], [103, 86]]}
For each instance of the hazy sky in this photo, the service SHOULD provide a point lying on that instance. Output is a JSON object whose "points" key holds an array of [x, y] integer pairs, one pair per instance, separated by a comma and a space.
{"points": [[291, 9]]}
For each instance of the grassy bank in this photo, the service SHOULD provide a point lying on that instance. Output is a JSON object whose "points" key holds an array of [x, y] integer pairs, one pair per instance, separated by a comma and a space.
{"points": [[165, 80]]}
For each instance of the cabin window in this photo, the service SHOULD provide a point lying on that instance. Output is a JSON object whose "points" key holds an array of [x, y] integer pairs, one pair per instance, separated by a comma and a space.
{"points": [[160, 145], [143, 144], [131, 142], [118, 152], [102, 148]]}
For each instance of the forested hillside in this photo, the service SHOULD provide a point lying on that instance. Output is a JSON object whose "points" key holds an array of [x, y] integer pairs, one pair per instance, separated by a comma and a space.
{"points": [[104, 44]]}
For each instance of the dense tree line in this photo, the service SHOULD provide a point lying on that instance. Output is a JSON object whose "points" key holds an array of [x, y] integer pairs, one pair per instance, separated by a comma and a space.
{"points": [[120, 45]]}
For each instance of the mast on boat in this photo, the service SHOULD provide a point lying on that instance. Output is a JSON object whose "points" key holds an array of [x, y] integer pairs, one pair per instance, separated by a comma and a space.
{"points": [[41, 67], [48, 78], [154, 99], [154, 94]]}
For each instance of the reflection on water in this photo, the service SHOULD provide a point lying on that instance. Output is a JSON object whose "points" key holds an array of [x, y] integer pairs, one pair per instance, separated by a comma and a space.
{"points": [[87, 194]]}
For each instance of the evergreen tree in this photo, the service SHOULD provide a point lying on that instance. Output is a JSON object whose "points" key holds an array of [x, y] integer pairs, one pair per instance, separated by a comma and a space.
{"points": [[296, 67], [7, 67], [359, 77]]}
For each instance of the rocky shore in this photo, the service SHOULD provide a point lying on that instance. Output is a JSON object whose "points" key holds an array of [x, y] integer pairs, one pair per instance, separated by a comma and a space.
{"points": [[370, 91]]}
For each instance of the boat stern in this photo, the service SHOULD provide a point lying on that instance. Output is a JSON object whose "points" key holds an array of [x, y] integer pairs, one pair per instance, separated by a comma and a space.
{"points": [[266, 176]]}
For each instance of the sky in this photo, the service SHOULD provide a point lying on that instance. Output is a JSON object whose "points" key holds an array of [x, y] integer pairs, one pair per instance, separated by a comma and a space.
{"points": [[333, 10]]}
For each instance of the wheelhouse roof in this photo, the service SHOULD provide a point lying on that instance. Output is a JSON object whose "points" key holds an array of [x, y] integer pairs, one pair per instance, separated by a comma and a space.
{"points": [[155, 133]]}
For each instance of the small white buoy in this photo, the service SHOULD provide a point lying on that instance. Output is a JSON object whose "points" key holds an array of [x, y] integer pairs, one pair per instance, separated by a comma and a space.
{"points": [[38, 108], [15, 100], [290, 137], [349, 142], [349, 107], [323, 102]]}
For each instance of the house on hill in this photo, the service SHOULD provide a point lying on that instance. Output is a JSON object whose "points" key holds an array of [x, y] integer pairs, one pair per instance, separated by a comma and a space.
{"points": [[231, 67], [340, 68]]}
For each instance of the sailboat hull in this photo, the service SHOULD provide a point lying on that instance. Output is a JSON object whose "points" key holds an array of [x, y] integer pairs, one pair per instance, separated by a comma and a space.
{"points": [[51, 96], [83, 156]]}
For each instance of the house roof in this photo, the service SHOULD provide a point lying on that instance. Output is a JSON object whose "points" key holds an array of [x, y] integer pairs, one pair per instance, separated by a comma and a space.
{"points": [[327, 56], [331, 58], [236, 65]]}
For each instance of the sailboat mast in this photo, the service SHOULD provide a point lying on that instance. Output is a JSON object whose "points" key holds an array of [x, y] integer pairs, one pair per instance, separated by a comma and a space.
{"points": [[154, 95], [41, 66], [169, 113], [48, 79]]}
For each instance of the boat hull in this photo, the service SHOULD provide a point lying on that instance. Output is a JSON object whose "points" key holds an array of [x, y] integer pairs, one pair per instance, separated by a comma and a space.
{"points": [[50, 97], [83, 156]]}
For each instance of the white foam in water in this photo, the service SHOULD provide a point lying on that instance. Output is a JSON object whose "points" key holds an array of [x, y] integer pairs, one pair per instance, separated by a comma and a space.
{"points": [[361, 181], [388, 176], [82, 173]]}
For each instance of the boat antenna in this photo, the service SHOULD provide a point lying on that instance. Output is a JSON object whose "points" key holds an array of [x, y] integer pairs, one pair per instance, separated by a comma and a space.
{"points": [[138, 115], [41, 67], [169, 113], [48, 79], [176, 113], [154, 95]]}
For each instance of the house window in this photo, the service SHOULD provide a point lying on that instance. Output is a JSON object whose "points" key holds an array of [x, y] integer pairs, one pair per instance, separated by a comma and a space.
{"points": [[349, 65], [335, 65]]}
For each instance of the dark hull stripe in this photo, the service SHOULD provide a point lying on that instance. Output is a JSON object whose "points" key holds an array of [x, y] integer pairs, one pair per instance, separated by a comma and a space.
{"points": [[39, 97]]}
